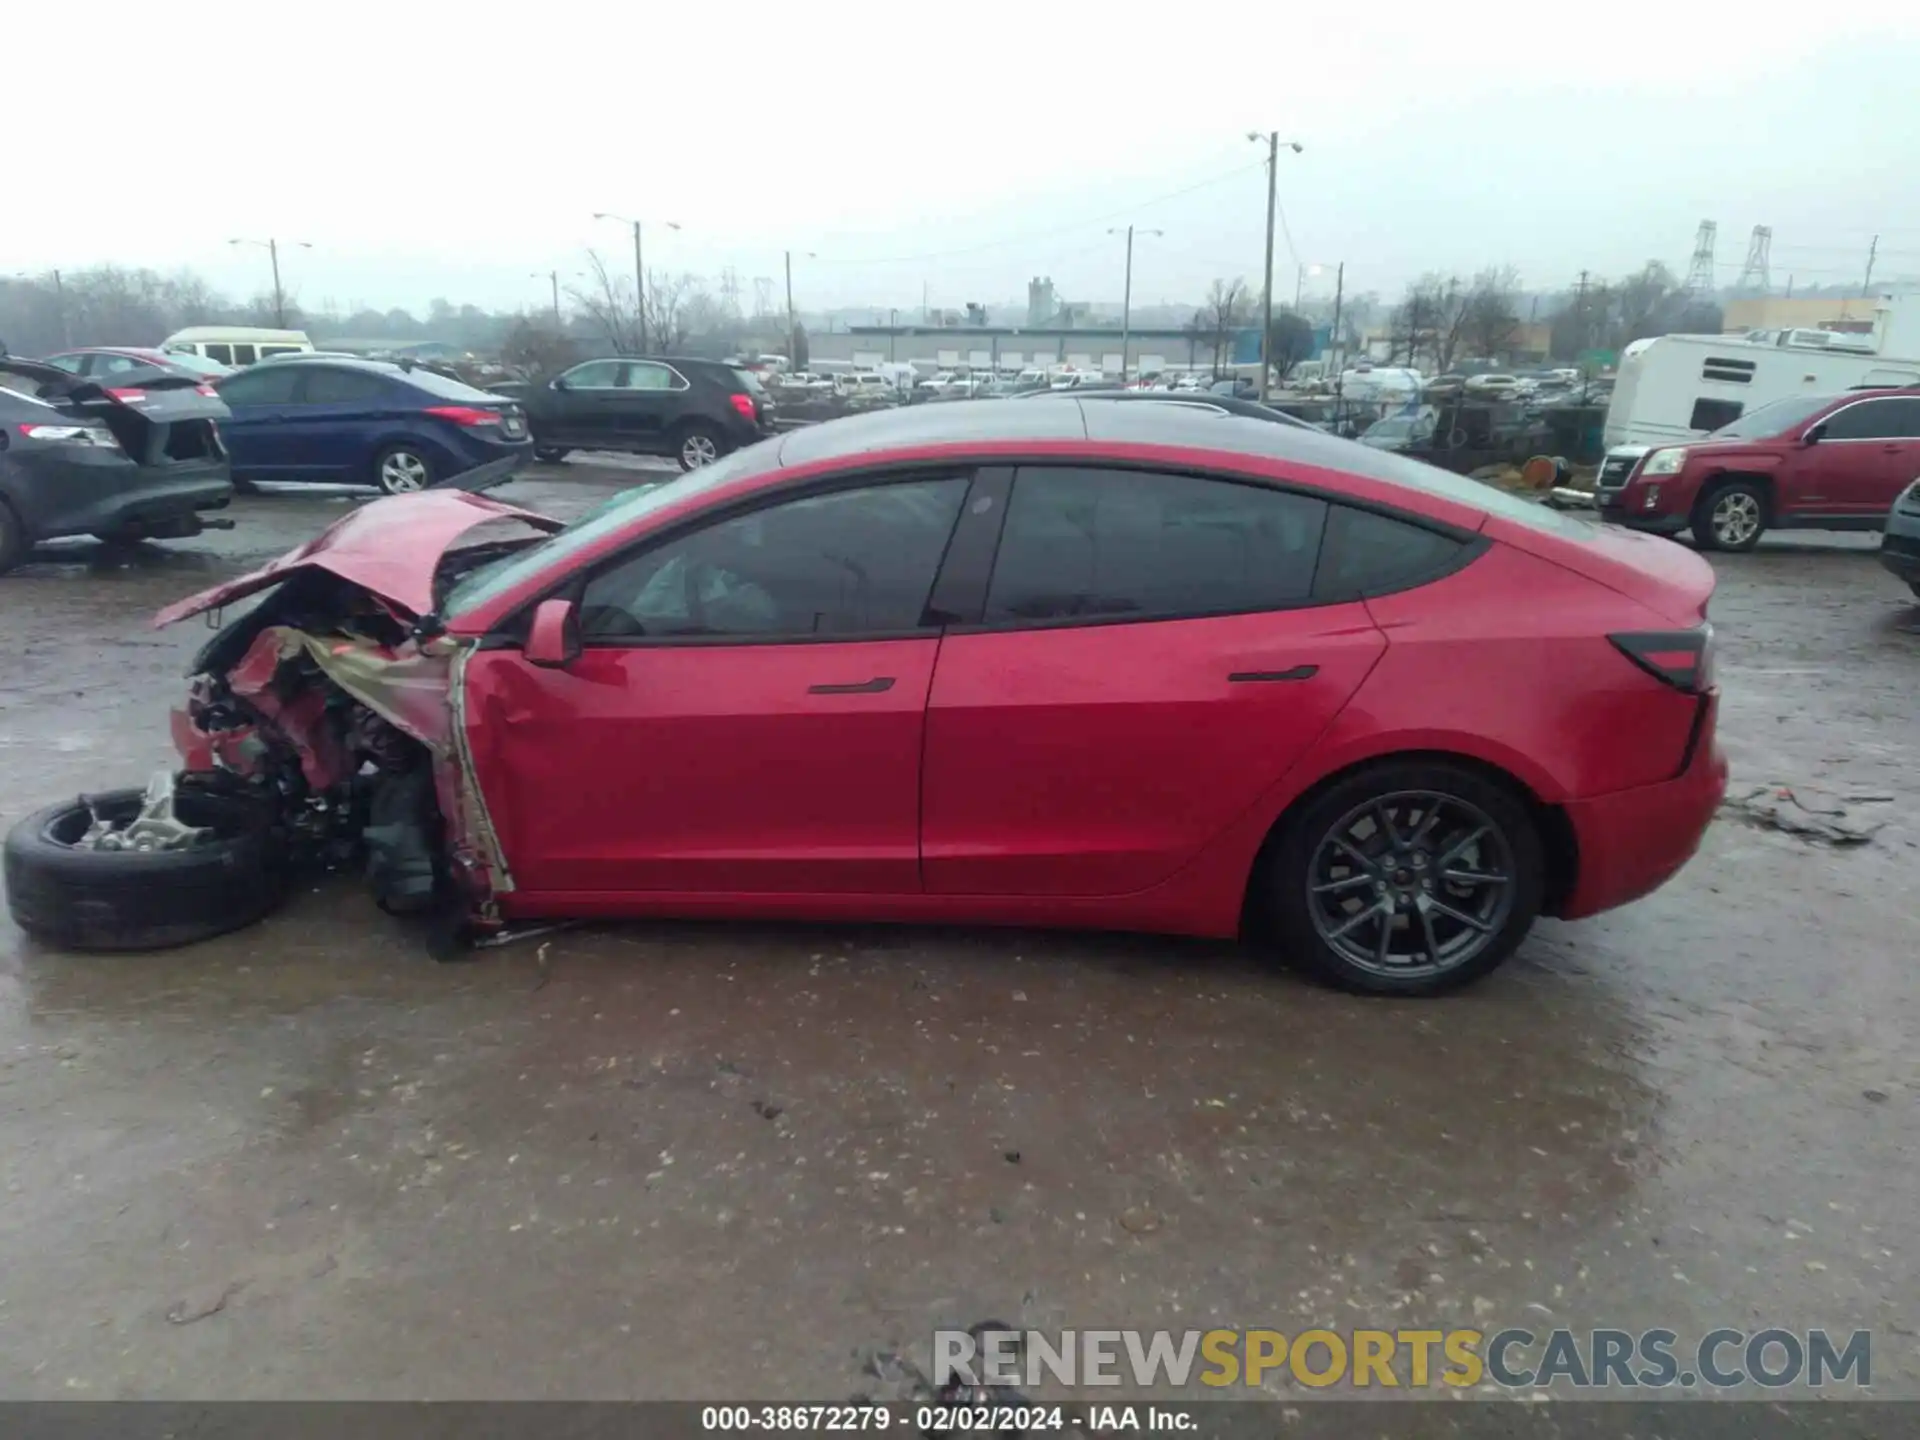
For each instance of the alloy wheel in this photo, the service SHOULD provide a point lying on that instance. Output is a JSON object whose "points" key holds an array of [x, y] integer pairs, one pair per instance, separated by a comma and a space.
{"points": [[1736, 518], [697, 450], [1411, 884], [403, 472]]}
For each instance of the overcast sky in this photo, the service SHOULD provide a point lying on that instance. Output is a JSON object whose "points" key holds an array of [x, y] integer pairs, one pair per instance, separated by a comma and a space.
{"points": [[954, 151]]}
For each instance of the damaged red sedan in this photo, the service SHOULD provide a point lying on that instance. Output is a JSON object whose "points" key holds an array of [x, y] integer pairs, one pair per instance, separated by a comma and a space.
{"points": [[1120, 666]]}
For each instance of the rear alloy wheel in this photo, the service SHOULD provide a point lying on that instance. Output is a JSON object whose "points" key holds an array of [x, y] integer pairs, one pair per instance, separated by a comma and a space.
{"points": [[1730, 516], [1408, 879], [401, 471], [698, 446]]}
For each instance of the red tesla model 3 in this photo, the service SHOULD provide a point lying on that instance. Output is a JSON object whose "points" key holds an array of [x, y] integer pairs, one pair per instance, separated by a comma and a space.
{"points": [[1062, 663]]}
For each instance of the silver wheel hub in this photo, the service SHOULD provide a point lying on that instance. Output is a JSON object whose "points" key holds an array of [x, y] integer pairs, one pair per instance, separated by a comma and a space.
{"points": [[154, 828], [1735, 518], [698, 450], [403, 471]]}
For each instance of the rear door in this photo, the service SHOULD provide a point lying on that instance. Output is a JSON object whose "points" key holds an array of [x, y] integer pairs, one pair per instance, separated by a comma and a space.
{"points": [[1146, 662], [260, 401], [651, 398]]}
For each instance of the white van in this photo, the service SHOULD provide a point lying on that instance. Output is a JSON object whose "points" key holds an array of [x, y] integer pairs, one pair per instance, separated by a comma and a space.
{"points": [[236, 344]]}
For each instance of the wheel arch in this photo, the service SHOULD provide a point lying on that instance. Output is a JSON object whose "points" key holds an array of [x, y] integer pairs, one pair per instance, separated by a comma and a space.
{"points": [[1560, 845], [1762, 481]]}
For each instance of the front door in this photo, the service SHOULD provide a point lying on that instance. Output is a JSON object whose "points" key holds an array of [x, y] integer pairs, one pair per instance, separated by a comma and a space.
{"points": [[746, 716], [261, 401], [578, 408], [1147, 666]]}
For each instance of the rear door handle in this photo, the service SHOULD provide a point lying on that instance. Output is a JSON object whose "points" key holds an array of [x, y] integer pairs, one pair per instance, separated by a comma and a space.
{"points": [[878, 685], [1298, 672]]}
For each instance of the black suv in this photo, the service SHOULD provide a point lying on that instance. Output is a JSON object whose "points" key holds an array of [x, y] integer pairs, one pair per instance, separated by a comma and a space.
{"points": [[693, 410]]}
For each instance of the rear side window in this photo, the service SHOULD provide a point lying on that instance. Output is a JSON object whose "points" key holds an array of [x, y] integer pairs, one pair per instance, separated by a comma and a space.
{"points": [[1372, 554], [1875, 420], [646, 375], [222, 353], [242, 355], [266, 350], [1088, 543], [327, 386]]}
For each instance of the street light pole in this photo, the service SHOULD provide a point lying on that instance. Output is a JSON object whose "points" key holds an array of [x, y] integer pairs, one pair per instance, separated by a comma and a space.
{"points": [[793, 326], [554, 277], [1272, 137], [639, 272]]}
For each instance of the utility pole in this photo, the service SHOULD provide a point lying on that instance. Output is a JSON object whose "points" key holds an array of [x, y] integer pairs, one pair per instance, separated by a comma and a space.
{"points": [[60, 304], [793, 330], [1272, 139], [1580, 313], [1872, 250], [1126, 303], [1334, 349], [272, 246], [554, 277]]}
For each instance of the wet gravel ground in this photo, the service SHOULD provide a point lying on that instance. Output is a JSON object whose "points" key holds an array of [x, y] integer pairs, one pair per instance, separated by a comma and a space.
{"points": [[707, 1160]]}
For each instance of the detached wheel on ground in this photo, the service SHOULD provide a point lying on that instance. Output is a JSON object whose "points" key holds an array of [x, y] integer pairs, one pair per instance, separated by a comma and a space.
{"points": [[1406, 878], [213, 863], [1731, 515], [402, 470], [696, 445]]}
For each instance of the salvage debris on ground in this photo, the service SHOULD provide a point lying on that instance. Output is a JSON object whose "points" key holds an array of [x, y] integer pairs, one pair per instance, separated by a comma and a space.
{"points": [[1826, 819]]}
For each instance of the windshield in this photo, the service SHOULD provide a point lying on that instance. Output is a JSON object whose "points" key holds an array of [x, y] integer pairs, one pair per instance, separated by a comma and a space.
{"points": [[1391, 429], [497, 577], [1773, 419], [446, 388]]}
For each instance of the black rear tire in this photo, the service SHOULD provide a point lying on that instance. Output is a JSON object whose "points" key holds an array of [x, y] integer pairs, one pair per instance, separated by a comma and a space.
{"points": [[14, 544], [1289, 873], [552, 454], [131, 900]]}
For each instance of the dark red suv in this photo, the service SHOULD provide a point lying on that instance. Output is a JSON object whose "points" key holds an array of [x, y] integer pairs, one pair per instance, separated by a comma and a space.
{"points": [[1815, 462]]}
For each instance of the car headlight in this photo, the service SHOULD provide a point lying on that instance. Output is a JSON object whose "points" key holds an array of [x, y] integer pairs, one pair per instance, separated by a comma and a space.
{"points": [[1664, 462]]}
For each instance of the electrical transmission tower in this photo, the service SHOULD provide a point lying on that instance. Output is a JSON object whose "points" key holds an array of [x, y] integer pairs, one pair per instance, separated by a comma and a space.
{"points": [[762, 296], [1753, 274], [730, 291], [1700, 268]]}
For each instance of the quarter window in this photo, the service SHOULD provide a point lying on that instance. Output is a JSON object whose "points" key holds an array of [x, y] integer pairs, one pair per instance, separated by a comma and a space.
{"points": [[1088, 543], [853, 562], [1371, 554]]}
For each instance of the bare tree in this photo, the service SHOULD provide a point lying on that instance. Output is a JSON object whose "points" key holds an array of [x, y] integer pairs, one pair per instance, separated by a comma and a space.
{"points": [[535, 346], [1429, 320], [673, 301], [1489, 313], [1227, 309], [607, 299]]}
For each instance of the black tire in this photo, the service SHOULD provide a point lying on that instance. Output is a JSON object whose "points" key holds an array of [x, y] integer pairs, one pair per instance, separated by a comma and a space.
{"points": [[552, 454], [395, 456], [1744, 502], [128, 900], [1291, 870], [689, 439], [245, 487], [14, 544], [1913, 585]]}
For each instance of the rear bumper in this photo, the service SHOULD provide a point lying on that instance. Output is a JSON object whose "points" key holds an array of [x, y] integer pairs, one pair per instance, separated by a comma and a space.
{"points": [[98, 492], [1900, 553], [1633, 842]]}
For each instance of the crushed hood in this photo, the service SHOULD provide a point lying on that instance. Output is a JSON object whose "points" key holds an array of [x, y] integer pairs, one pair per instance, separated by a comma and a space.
{"points": [[390, 547]]}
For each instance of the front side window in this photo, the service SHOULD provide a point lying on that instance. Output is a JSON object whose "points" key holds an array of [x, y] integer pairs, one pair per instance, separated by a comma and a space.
{"points": [[853, 562], [1087, 543], [72, 364], [269, 385], [1893, 419]]}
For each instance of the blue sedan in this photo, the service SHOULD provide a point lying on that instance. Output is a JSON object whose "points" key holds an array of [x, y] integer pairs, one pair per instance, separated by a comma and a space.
{"points": [[364, 422]]}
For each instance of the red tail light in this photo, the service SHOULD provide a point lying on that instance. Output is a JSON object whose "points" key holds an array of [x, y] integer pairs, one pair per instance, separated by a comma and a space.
{"points": [[742, 403], [128, 396], [464, 414], [1680, 658], [208, 391]]}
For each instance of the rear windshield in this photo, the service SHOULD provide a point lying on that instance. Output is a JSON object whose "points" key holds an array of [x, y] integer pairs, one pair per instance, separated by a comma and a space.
{"points": [[749, 381], [198, 364], [445, 388], [1774, 419]]}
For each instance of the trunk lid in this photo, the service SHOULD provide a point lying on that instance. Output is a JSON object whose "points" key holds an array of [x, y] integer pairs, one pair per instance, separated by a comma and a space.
{"points": [[160, 420], [391, 548]]}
